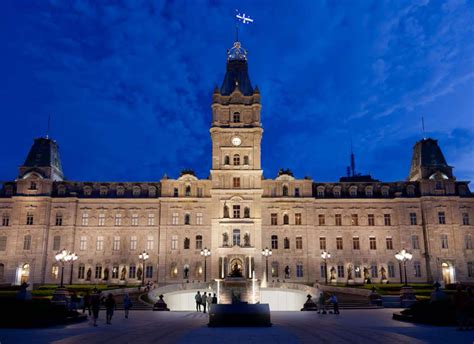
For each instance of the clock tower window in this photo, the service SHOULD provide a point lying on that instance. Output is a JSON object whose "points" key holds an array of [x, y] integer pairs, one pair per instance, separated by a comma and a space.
{"points": [[246, 160], [236, 181], [236, 159], [236, 209], [236, 117], [226, 160]]}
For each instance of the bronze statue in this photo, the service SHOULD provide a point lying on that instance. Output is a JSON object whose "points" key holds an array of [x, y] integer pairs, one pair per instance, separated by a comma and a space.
{"points": [[123, 274]]}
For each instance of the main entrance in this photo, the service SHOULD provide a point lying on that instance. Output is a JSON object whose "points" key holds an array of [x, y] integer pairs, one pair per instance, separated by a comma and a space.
{"points": [[447, 271]]}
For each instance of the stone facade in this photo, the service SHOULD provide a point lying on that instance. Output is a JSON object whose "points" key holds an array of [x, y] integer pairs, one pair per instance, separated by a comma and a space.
{"points": [[236, 213]]}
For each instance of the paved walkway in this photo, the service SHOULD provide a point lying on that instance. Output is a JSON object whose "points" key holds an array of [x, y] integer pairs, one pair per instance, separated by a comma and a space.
{"points": [[352, 326]]}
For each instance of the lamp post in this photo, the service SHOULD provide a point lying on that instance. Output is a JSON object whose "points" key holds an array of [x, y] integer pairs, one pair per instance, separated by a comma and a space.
{"points": [[266, 253], [143, 257], [64, 256], [205, 253], [403, 256], [325, 256]]}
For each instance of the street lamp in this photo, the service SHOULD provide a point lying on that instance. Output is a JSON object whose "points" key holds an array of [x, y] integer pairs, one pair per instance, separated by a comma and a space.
{"points": [[64, 256], [325, 256], [403, 256], [205, 253], [266, 253], [144, 256]]}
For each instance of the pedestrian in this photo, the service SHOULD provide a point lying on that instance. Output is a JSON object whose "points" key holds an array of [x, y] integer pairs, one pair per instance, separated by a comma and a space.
{"points": [[335, 303], [95, 304], [87, 303], [209, 302], [204, 301], [321, 302], [109, 308], [198, 299], [214, 299], [127, 304]]}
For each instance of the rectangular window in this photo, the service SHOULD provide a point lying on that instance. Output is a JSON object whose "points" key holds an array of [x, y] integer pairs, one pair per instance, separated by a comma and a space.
{"points": [[6, 220], [175, 192], [441, 218], [101, 220], [444, 241], [415, 242], [151, 219], [371, 220], [338, 219], [417, 268], [299, 270], [174, 242], [299, 243], [389, 243], [132, 271], [465, 219], [274, 219], [29, 219], [134, 219], [236, 209], [236, 239], [340, 271], [149, 271], [297, 192], [59, 220], [116, 246], [322, 270], [83, 243], [357, 271], [356, 243], [27, 243], [374, 271], [175, 218], [372, 243], [199, 192], [81, 272], [236, 182], [149, 242], [85, 219], [391, 270], [339, 245], [354, 220], [133, 243], [98, 271], [99, 245], [387, 219], [322, 243], [118, 219], [321, 219], [274, 242], [3, 243], [468, 241], [199, 218], [413, 220], [298, 219], [56, 243]]}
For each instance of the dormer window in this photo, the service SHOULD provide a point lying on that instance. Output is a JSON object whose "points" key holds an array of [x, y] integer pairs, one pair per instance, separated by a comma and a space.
{"points": [[103, 191], [337, 191], [353, 191], [411, 190], [285, 190], [385, 191], [120, 190], [236, 117], [87, 191], [33, 186], [136, 191], [152, 191], [297, 192], [369, 192], [320, 191]]}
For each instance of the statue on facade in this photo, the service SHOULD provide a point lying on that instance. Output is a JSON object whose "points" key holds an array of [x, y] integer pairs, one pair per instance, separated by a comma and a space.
{"points": [[367, 275], [89, 274], [333, 273], [287, 271], [139, 273], [186, 271], [106, 274], [247, 240], [349, 272], [383, 274], [123, 274], [225, 239], [226, 211]]}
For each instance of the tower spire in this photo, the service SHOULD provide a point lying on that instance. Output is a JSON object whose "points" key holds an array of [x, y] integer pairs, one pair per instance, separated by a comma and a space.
{"points": [[352, 161], [423, 126]]}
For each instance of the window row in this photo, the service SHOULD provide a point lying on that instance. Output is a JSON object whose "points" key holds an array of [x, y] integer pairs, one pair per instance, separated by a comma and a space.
{"points": [[97, 272], [286, 219], [116, 243], [286, 243], [285, 191], [118, 219], [187, 219], [198, 243], [120, 191], [356, 243], [351, 271], [287, 270], [188, 191], [236, 213], [354, 191], [236, 160]]}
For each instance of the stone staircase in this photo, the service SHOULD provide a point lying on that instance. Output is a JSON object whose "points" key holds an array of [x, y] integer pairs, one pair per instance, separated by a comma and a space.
{"points": [[350, 301], [138, 304]]}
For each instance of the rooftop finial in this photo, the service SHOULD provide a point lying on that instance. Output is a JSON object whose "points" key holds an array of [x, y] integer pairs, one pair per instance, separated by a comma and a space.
{"points": [[237, 52], [423, 126]]}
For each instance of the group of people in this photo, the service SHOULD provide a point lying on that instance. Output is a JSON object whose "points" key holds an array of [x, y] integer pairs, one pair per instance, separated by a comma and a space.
{"points": [[322, 303], [92, 303], [204, 301]]}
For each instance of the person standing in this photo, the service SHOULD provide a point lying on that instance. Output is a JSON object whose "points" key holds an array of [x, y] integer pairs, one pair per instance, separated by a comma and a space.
{"points": [[204, 301], [209, 302], [321, 302], [335, 303], [214, 299], [87, 303], [95, 303], [198, 299], [109, 308], [127, 304]]}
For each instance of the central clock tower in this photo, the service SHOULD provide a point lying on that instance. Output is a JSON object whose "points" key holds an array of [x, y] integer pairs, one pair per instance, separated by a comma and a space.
{"points": [[236, 174]]}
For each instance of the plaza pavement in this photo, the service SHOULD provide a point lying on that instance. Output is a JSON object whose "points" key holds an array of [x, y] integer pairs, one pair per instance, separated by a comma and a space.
{"points": [[351, 326]]}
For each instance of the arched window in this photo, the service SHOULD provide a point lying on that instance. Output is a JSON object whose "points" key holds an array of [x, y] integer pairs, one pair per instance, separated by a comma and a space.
{"points": [[186, 243], [286, 219], [198, 242], [226, 160], [187, 191], [246, 160], [391, 270], [236, 159], [198, 272], [236, 117], [274, 242], [120, 190], [173, 270], [187, 219], [246, 212], [236, 237], [175, 192], [285, 191], [275, 269], [54, 271], [115, 272], [33, 186], [136, 191], [286, 243], [299, 269], [81, 272]]}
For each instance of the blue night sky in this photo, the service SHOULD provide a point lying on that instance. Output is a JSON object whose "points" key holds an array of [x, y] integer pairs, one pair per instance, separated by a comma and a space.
{"points": [[129, 83]]}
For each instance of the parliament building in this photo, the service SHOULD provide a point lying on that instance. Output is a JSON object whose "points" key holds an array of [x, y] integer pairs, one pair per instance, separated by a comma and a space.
{"points": [[236, 213]]}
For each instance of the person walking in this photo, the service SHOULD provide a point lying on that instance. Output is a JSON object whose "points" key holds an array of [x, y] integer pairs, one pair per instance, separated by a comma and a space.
{"points": [[198, 299], [322, 305], [109, 308], [204, 301], [87, 303], [214, 299], [335, 303], [95, 304], [209, 302], [127, 304]]}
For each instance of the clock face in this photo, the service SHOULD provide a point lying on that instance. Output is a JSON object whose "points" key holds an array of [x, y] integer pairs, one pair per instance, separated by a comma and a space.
{"points": [[236, 141]]}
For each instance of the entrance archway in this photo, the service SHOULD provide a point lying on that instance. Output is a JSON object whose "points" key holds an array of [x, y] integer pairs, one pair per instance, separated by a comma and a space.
{"points": [[25, 273], [447, 271]]}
